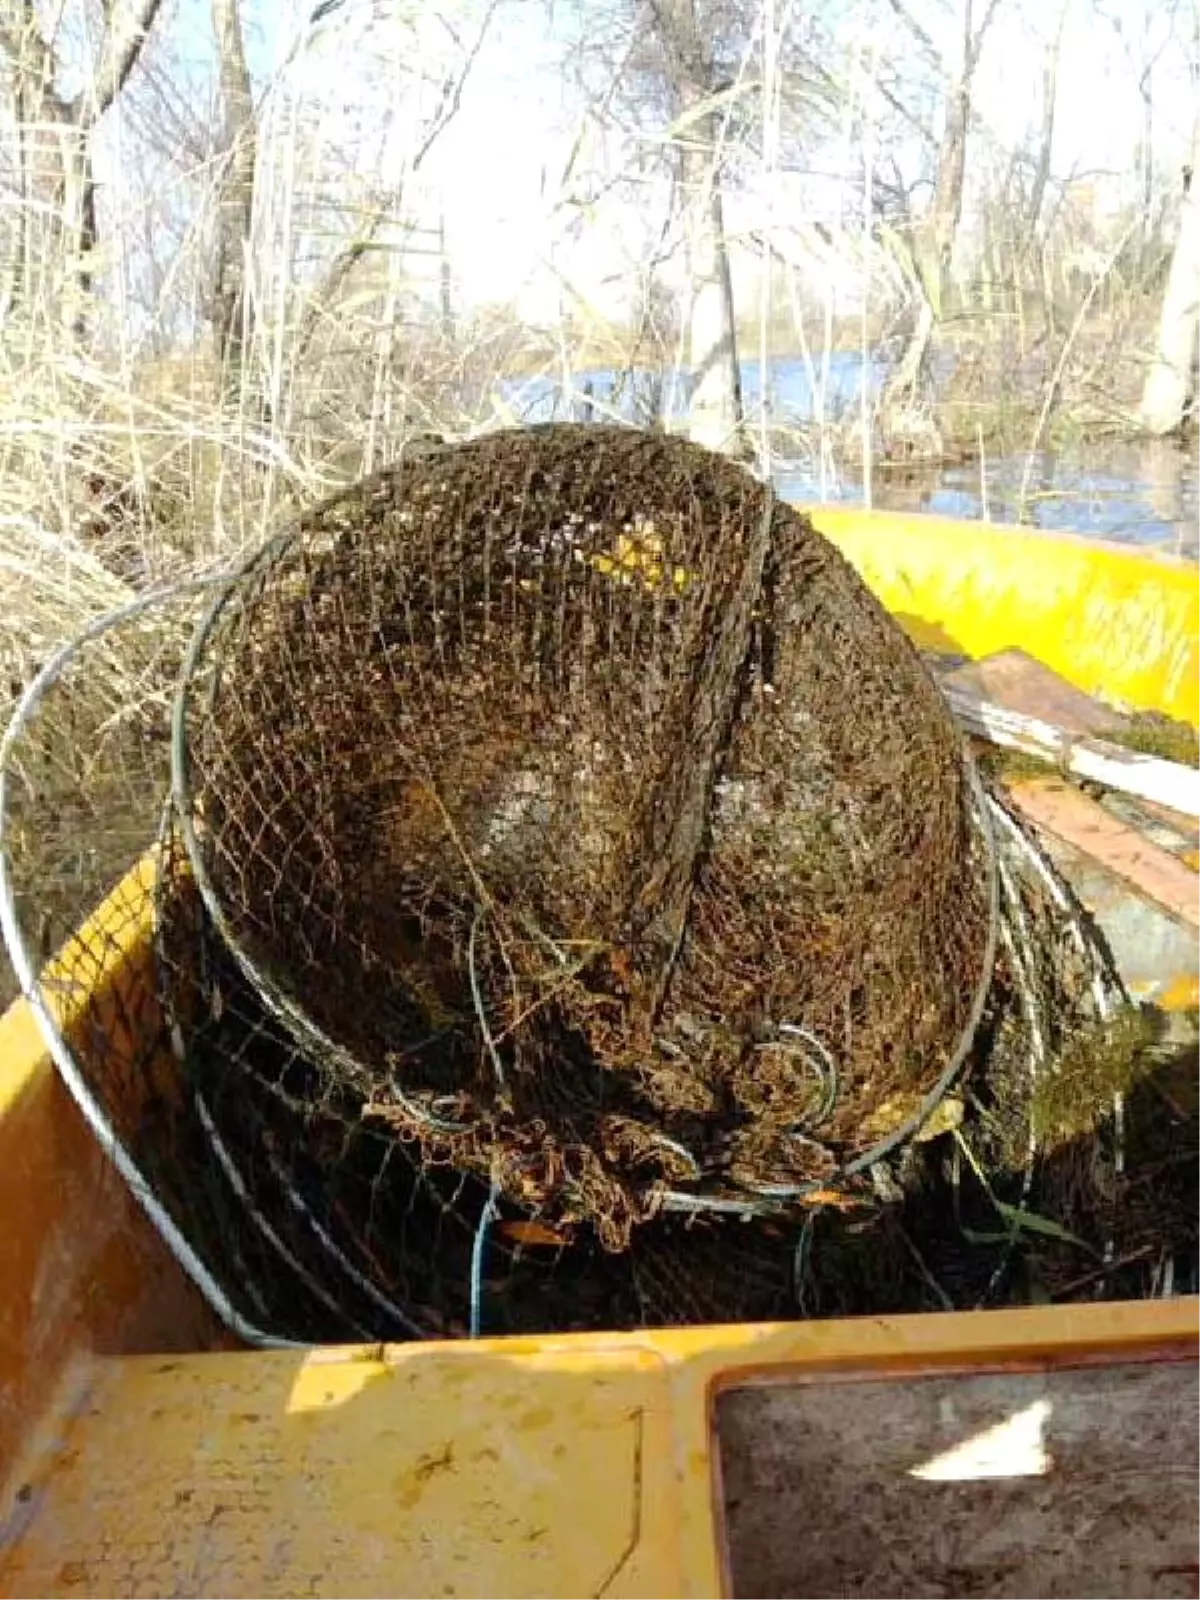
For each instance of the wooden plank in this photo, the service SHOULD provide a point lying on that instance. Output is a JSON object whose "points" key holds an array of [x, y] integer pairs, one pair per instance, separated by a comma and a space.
{"points": [[1166, 828], [1079, 821], [1148, 777], [1017, 681]]}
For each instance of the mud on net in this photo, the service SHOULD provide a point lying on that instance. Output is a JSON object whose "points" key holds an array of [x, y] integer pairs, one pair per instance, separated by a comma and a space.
{"points": [[574, 901]]}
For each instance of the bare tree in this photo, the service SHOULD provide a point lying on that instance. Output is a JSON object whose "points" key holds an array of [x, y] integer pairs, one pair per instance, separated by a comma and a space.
{"points": [[1167, 394], [924, 244], [673, 81], [1045, 150], [715, 413], [235, 204], [389, 209], [58, 181], [1147, 31], [445, 283]]}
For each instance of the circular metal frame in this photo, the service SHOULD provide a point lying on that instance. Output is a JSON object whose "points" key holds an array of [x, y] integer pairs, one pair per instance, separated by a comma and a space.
{"points": [[293, 1016], [69, 1069]]}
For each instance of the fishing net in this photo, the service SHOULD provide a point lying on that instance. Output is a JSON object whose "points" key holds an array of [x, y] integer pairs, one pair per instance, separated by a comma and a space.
{"points": [[592, 825], [573, 908]]}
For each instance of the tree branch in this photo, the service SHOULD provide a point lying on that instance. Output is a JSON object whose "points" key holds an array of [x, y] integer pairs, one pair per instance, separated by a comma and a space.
{"points": [[23, 42], [118, 57], [33, 59], [448, 107], [452, 91], [920, 128], [974, 41], [929, 49]]}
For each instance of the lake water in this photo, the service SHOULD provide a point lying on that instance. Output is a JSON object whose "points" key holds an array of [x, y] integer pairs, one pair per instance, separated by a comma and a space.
{"points": [[1142, 493]]}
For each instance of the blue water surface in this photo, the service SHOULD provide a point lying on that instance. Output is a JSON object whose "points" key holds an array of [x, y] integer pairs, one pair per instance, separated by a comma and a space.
{"points": [[1129, 492]]}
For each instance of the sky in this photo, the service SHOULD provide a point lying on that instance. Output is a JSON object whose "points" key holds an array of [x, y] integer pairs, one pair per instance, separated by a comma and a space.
{"points": [[1099, 108], [495, 172], [494, 176]]}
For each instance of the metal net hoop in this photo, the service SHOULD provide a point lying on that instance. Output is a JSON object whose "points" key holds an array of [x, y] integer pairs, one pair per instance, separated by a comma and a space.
{"points": [[66, 988]]}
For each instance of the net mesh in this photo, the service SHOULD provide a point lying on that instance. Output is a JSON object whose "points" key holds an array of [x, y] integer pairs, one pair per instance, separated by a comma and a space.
{"points": [[524, 780], [249, 1043]]}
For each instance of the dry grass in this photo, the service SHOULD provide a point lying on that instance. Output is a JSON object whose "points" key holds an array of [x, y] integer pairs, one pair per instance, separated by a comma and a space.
{"points": [[120, 469]]}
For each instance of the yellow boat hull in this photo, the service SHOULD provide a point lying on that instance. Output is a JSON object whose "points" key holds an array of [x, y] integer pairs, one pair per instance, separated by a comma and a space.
{"points": [[1111, 620], [140, 1452]]}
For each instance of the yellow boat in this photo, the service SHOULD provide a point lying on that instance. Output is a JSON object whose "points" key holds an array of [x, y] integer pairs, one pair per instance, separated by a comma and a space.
{"points": [[147, 1446]]}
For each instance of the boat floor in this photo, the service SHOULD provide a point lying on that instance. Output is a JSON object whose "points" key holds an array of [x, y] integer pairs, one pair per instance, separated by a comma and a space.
{"points": [[1046, 1451], [924, 1455]]}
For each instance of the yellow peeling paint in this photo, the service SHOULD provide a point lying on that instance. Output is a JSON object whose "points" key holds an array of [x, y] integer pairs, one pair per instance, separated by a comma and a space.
{"points": [[418, 1473]]}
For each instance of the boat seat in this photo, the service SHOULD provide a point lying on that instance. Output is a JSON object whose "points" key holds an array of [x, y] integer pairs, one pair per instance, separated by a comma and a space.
{"points": [[586, 1465]]}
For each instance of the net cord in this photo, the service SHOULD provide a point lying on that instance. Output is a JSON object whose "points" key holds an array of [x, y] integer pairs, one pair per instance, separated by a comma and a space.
{"points": [[278, 1003], [296, 1019], [60, 1051]]}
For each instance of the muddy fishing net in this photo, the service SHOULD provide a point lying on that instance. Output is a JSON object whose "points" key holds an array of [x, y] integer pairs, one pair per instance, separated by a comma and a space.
{"points": [[570, 906], [592, 825]]}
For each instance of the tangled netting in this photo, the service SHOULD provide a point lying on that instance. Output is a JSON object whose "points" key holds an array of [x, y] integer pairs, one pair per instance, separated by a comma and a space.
{"points": [[572, 909], [597, 831]]}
